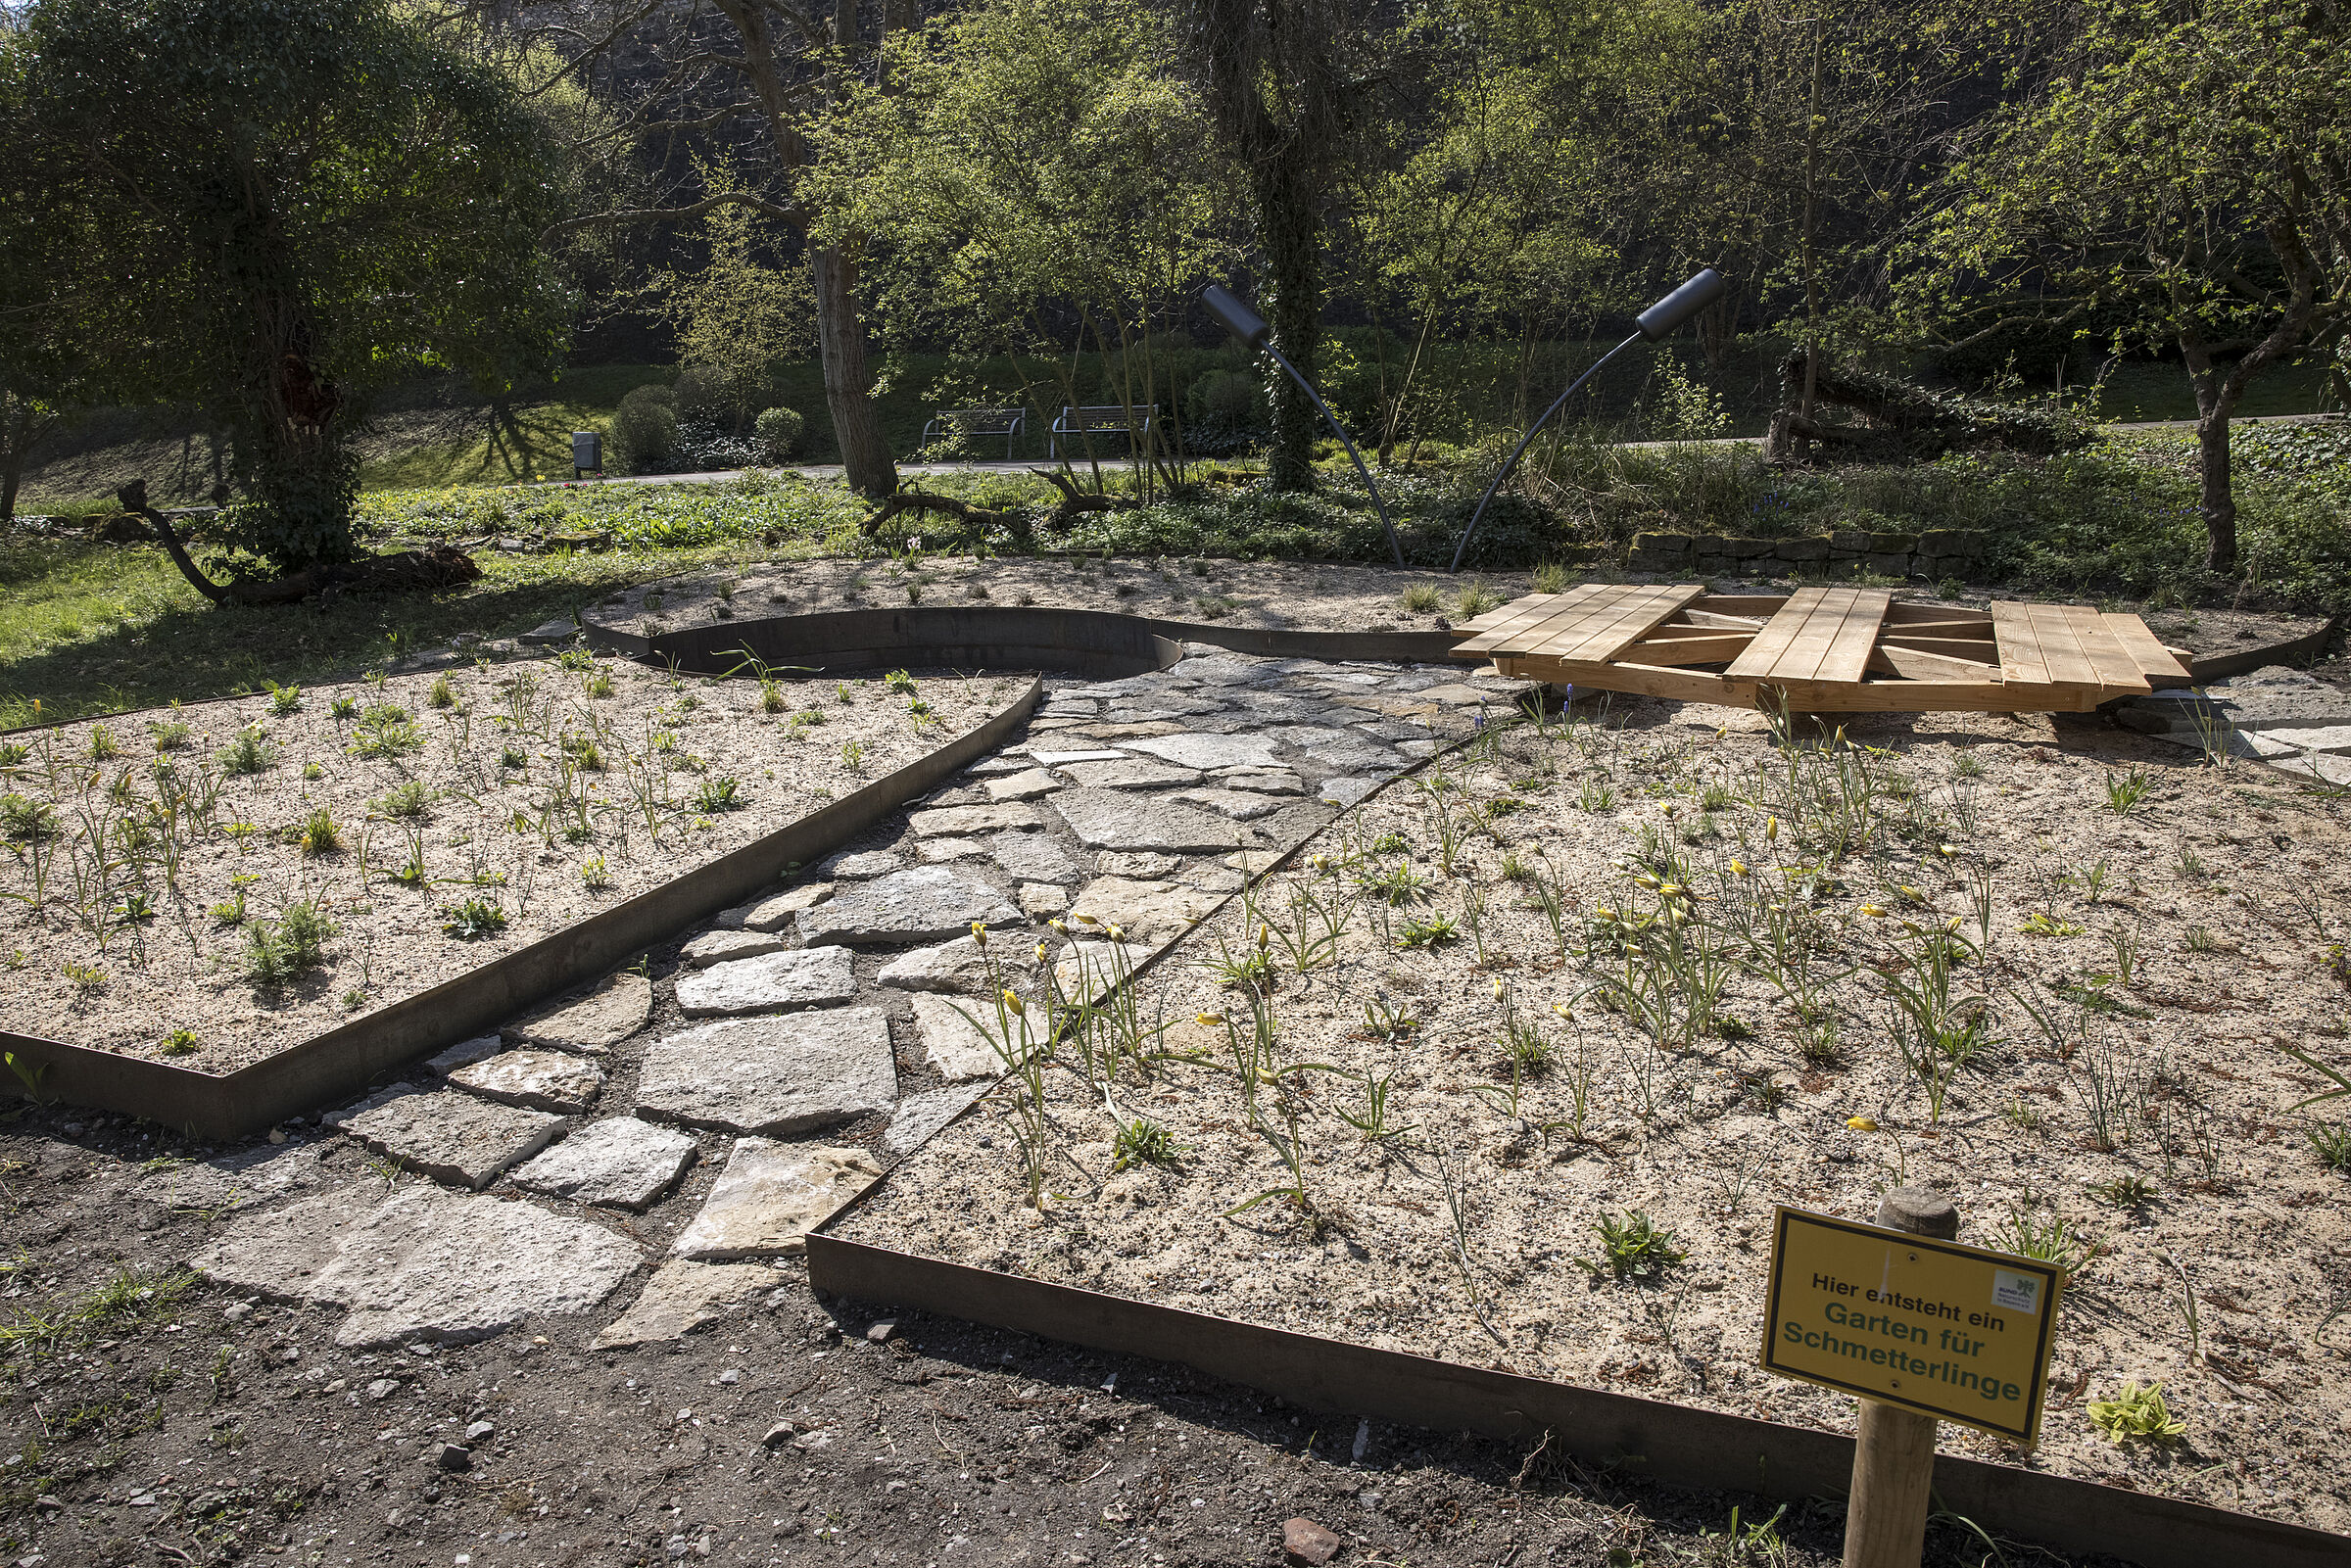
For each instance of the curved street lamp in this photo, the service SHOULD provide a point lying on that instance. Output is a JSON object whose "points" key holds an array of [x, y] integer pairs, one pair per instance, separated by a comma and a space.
{"points": [[1657, 321], [1251, 328]]}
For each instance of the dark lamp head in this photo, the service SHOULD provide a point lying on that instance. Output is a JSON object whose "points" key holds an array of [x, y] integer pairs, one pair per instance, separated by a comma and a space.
{"points": [[1667, 315], [1239, 320]]}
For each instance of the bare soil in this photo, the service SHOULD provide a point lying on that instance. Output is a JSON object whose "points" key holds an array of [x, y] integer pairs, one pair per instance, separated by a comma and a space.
{"points": [[540, 790], [2124, 1100]]}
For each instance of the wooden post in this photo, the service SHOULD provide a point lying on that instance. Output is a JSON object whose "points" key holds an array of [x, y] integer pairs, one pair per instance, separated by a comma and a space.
{"points": [[1894, 1452]]}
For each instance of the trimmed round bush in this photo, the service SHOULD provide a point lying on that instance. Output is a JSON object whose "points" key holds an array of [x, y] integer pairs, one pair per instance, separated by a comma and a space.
{"points": [[702, 393], [644, 428], [778, 431]]}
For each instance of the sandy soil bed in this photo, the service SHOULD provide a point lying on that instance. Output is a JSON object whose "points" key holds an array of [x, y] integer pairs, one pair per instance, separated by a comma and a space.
{"points": [[2133, 978], [155, 861], [1301, 596]]}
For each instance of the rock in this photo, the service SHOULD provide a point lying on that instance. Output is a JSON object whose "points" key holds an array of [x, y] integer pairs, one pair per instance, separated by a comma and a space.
{"points": [[1345, 750], [1214, 880], [935, 850], [1043, 900], [681, 1297], [773, 982], [480, 1432], [455, 1459], [1090, 970], [422, 1264], [882, 1330], [242, 1179], [724, 946], [1207, 750], [953, 1046], [920, 905], [778, 1435], [774, 914], [963, 821], [1277, 781], [921, 1115], [1250, 862], [786, 1075], [382, 1388], [1149, 913], [600, 1020], [1144, 868], [961, 965], [1460, 695], [548, 633], [996, 767], [1346, 791], [622, 1163], [445, 1135], [1026, 785], [1034, 858], [465, 1053], [1129, 773], [1239, 804], [1111, 819], [542, 1080], [770, 1197], [861, 867], [1062, 759], [1308, 1541]]}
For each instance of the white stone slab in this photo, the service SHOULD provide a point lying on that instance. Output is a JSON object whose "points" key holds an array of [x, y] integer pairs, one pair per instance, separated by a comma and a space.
{"points": [[773, 982], [1114, 819], [539, 1081], [963, 966], [955, 1035], [923, 904], [447, 1135], [684, 1296], [1026, 784], [723, 946], [620, 1163], [781, 1076], [961, 822], [770, 1196], [616, 1009], [465, 1053], [1207, 750]]}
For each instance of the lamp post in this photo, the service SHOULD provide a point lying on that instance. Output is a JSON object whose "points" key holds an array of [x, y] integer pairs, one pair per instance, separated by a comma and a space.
{"points": [[1251, 328], [1658, 320]]}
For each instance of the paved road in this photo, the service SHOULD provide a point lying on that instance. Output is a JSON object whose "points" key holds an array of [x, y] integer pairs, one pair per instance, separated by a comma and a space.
{"points": [[721, 476]]}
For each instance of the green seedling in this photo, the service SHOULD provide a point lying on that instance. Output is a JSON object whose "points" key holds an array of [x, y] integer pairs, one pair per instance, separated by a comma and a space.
{"points": [[1143, 1141], [2136, 1412], [473, 920], [1633, 1247]]}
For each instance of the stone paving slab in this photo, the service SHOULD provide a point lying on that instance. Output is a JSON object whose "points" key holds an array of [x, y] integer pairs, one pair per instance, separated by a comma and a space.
{"points": [[772, 983], [465, 1053], [1043, 900], [616, 1009], [770, 1196], [953, 1046], [776, 914], [1034, 858], [1151, 913], [961, 966], [862, 866], [1240, 805], [961, 822], [241, 1179], [424, 1263], [1209, 750], [684, 1296], [447, 1135], [1062, 759], [537, 1080], [1129, 773], [917, 905], [620, 1163], [1089, 969], [722, 945], [921, 1115], [1145, 866], [1111, 819], [1026, 784], [780, 1075], [1264, 781], [933, 851]]}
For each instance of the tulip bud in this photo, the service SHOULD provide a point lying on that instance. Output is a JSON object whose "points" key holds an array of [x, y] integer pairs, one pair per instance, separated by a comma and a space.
{"points": [[980, 932], [1012, 1005]]}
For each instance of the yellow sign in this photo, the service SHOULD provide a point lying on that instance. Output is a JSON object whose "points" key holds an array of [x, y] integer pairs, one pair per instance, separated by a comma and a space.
{"points": [[1948, 1330]]}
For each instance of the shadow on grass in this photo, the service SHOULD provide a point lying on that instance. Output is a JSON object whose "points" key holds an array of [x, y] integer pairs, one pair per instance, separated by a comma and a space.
{"points": [[186, 652]]}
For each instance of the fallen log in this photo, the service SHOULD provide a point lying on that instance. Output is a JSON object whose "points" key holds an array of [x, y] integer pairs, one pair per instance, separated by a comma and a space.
{"points": [[404, 572]]}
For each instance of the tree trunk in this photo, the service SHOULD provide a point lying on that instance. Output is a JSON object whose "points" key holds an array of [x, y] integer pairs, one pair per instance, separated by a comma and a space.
{"points": [[2217, 500], [849, 380], [1291, 231]]}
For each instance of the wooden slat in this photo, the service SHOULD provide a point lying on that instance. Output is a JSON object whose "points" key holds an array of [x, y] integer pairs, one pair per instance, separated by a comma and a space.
{"points": [[1669, 645], [1638, 679], [1607, 630], [1914, 664], [2115, 668], [1519, 625], [1763, 606], [2154, 661], [1904, 612], [1695, 616], [1821, 634], [1934, 696], [2024, 658], [1984, 651]]}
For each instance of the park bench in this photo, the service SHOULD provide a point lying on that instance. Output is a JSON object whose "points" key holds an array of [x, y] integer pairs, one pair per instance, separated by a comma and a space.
{"points": [[1137, 424], [1005, 423]]}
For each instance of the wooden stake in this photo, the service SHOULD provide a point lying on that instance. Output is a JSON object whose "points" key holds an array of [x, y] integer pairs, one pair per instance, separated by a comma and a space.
{"points": [[1894, 1452]]}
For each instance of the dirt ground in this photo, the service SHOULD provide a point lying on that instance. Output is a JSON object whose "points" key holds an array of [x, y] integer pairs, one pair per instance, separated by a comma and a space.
{"points": [[157, 1420], [2124, 1103], [545, 790]]}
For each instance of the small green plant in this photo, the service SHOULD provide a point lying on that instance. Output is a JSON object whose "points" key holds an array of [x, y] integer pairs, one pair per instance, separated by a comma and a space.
{"points": [[104, 748], [172, 736], [443, 694], [320, 834], [1632, 1248], [344, 707], [474, 918], [1143, 1141], [408, 801], [900, 681], [386, 729], [2126, 790], [2136, 1412], [180, 1042], [2332, 1146], [288, 947], [249, 753], [25, 820], [1551, 577], [1474, 600], [284, 700], [852, 755], [594, 874], [87, 978], [312, 771], [2124, 1192], [2055, 1241], [2200, 939], [512, 757], [598, 684], [230, 911], [720, 794], [134, 908], [2046, 925], [1432, 930], [1422, 598]]}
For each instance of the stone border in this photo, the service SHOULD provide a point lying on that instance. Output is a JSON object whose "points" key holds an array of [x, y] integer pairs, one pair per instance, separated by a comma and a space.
{"points": [[340, 1063], [1673, 1444]]}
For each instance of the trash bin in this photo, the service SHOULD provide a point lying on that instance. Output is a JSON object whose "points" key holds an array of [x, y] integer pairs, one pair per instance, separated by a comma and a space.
{"points": [[586, 452]]}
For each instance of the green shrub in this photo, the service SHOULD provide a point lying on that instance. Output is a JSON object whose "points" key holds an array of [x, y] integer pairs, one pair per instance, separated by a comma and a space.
{"points": [[778, 431], [288, 947], [644, 428]]}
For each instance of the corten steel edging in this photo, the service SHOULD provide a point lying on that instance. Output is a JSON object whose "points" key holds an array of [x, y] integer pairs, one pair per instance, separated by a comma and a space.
{"points": [[2294, 649], [1106, 642], [1673, 1444], [332, 1066]]}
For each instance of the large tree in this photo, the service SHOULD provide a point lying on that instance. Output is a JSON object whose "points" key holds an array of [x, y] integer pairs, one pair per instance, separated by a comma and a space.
{"points": [[282, 204], [2186, 171]]}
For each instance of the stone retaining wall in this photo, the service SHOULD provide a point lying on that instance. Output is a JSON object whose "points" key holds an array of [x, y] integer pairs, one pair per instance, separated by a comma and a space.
{"points": [[1937, 552]]}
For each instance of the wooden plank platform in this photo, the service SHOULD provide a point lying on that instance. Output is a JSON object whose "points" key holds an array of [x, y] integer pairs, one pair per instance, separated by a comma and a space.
{"points": [[1824, 650]]}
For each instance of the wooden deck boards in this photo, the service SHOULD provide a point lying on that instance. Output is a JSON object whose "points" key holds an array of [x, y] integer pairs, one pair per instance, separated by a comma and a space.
{"points": [[1824, 650]]}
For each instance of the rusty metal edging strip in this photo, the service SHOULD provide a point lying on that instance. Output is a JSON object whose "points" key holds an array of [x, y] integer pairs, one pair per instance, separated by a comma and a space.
{"points": [[1672, 1444], [330, 1065], [2308, 645]]}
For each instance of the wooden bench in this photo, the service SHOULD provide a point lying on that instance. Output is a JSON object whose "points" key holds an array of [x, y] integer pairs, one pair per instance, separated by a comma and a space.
{"points": [[1005, 423], [1824, 650], [1136, 423]]}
